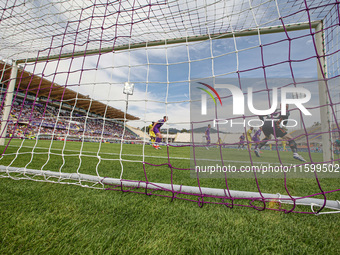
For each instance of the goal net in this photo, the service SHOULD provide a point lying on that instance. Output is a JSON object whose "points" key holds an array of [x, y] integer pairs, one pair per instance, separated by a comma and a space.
{"points": [[216, 102]]}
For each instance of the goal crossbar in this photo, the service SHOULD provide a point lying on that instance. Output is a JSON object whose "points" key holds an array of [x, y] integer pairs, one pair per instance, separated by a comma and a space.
{"points": [[246, 32]]}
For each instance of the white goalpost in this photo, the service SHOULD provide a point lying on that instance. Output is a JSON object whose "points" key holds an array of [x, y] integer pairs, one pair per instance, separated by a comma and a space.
{"points": [[65, 118]]}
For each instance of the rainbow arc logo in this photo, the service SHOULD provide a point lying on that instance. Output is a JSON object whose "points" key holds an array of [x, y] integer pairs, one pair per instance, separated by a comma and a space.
{"points": [[209, 93], [239, 99], [204, 98]]}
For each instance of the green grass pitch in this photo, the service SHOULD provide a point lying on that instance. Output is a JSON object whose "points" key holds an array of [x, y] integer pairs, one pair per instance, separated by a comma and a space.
{"points": [[48, 218]]}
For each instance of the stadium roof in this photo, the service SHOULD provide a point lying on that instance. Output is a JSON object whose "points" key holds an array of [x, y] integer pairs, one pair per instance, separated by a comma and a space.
{"points": [[40, 87]]}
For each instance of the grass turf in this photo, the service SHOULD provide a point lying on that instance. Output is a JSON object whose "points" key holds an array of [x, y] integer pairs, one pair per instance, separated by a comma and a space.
{"points": [[39, 217]]}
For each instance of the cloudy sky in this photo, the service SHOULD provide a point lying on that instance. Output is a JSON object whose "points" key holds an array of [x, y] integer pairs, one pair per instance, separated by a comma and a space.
{"points": [[163, 75]]}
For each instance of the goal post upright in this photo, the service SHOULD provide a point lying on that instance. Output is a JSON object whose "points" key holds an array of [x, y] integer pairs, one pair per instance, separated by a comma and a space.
{"points": [[323, 94], [8, 103]]}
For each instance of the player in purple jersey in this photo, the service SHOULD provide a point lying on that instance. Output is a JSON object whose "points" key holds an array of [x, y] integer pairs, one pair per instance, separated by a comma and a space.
{"points": [[156, 129], [207, 136], [256, 138], [241, 143]]}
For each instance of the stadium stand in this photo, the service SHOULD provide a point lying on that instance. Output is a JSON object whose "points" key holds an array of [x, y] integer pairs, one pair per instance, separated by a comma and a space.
{"points": [[80, 117], [27, 121]]}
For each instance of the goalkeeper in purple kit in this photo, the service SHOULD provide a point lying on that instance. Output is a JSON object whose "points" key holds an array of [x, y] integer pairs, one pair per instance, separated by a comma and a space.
{"points": [[156, 129]]}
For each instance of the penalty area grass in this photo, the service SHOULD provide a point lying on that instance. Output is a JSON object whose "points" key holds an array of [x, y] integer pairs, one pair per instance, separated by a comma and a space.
{"points": [[47, 218], [40, 217]]}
